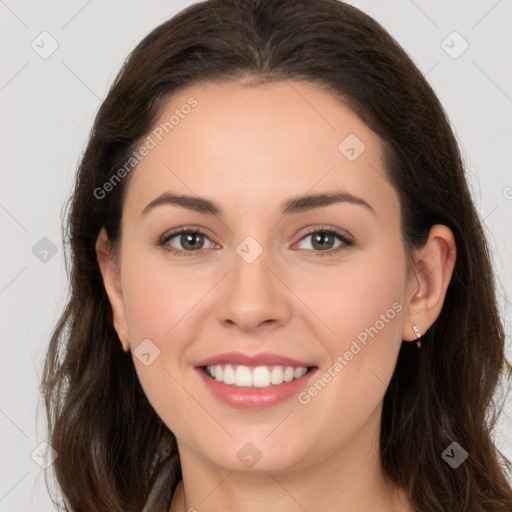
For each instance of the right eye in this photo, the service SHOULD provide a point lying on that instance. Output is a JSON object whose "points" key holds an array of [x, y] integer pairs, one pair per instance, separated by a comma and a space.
{"points": [[191, 241]]}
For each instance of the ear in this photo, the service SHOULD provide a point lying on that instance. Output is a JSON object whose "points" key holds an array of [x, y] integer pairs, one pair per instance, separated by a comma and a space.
{"points": [[112, 281], [433, 268]]}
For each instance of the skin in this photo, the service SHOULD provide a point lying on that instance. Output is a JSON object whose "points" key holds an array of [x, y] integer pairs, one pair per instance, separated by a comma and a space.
{"points": [[249, 149]]}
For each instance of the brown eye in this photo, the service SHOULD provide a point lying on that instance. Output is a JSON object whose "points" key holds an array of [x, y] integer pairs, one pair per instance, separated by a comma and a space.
{"points": [[323, 241], [191, 241], [185, 241]]}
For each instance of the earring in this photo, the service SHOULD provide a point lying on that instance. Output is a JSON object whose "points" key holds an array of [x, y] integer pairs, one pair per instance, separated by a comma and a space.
{"points": [[418, 335], [126, 348]]}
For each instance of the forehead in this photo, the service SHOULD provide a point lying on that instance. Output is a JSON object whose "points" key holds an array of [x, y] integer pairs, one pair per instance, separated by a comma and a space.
{"points": [[245, 144]]}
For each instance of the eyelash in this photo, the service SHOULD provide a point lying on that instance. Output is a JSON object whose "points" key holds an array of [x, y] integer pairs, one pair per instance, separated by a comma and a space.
{"points": [[343, 237]]}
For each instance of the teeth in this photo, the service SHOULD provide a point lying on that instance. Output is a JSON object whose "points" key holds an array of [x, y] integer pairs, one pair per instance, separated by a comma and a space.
{"points": [[229, 375], [289, 374], [300, 372], [276, 375], [259, 376], [243, 376]]}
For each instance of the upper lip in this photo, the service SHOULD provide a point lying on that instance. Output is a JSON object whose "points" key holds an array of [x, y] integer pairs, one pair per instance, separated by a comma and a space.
{"points": [[262, 359]]}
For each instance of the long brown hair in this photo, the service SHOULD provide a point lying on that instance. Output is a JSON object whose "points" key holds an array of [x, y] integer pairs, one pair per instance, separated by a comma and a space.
{"points": [[111, 444]]}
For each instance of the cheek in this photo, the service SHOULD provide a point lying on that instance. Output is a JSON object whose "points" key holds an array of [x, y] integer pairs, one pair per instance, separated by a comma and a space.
{"points": [[159, 307], [360, 294], [371, 302], [157, 296], [362, 305]]}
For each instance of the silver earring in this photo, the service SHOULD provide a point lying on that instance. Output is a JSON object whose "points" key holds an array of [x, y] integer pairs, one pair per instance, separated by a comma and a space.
{"points": [[418, 335]]}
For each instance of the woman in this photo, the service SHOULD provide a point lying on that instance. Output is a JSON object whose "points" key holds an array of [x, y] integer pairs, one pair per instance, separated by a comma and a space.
{"points": [[271, 208]]}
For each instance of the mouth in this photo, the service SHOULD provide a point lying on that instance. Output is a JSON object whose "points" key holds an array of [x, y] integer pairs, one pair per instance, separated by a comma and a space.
{"points": [[259, 377], [257, 381]]}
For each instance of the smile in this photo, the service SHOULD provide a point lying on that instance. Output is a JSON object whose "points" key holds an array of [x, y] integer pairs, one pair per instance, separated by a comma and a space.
{"points": [[258, 377]]}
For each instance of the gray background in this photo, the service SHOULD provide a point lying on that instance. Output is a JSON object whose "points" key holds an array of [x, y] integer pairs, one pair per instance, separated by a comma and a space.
{"points": [[47, 108]]}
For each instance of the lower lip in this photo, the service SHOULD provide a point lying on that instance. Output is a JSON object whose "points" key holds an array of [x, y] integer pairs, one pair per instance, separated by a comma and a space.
{"points": [[255, 398]]}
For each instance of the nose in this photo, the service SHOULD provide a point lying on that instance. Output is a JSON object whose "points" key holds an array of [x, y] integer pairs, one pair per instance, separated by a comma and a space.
{"points": [[254, 296]]}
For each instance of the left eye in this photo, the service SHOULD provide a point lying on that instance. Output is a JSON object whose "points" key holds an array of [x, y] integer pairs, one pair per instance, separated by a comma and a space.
{"points": [[322, 241]]}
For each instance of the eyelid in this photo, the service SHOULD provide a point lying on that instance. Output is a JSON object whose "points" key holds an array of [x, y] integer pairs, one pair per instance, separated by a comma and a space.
{"points": [[315, 228]]}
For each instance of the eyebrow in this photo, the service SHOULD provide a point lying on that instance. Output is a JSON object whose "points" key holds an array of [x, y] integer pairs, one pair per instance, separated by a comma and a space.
{"points": [[293, 205]]}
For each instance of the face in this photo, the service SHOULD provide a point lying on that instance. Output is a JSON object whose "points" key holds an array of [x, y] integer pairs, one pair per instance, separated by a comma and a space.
{"points": [[267, 288]]}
